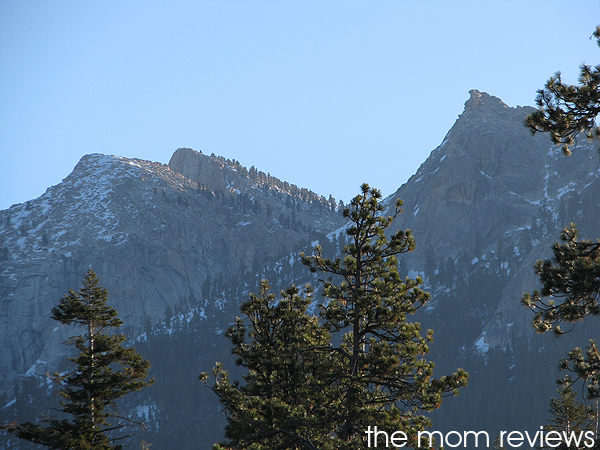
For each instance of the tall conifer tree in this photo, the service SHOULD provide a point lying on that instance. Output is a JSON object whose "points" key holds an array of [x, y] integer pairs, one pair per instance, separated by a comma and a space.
{"points": [[570, 416], [320, 384], [89, 392], [383, 376], [284, 401], [571, 279]]}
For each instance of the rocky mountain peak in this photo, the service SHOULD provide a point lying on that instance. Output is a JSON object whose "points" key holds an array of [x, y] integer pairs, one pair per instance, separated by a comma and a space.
{"points": [[216, 173], [500, 195], [479, 99], [487, 149], [485, 115], [85, 207], [488, 137]]}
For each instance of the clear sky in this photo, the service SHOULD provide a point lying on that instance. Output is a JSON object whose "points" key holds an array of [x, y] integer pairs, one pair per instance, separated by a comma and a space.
{"points": [[323, 94]]}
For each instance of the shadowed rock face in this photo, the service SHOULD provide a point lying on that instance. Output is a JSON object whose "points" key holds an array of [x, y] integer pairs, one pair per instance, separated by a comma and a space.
{"points": [[485, 174], [152, 235], [495, 194]]}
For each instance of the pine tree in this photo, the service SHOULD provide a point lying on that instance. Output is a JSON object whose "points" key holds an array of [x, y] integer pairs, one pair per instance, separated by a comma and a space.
{"points": [[569, 416], [383, 376], [89, 392], [567, 110], [284, 401]]}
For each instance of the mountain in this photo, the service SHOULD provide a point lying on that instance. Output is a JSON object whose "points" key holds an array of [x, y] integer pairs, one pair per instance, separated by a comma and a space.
{"points": [[153, 236], [493, 197], [485, 205], [179, 247]]}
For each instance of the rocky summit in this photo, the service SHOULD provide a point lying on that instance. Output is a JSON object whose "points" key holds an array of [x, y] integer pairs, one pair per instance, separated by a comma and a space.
{"points": [[179, 247], [497, 197], [485, 205]]}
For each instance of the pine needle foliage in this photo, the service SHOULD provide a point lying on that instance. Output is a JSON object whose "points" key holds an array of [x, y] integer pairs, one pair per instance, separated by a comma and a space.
{"points": [[566, 110], [585, 366], [104, 371], [570, 284]]}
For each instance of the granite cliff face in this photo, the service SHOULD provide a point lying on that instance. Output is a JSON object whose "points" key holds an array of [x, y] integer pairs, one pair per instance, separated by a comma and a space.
{"points": [[496, 197], [153, 236], [180, 246]]}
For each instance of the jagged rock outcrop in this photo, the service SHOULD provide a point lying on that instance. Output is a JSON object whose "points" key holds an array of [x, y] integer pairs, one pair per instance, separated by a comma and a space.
{"points": [[481, 179], [220, 174]]}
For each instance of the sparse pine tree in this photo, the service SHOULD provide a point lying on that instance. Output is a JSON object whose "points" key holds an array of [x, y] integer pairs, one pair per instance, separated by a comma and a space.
{"points": [[569, 416], [565, 110], [383, 376], [104, 371]]}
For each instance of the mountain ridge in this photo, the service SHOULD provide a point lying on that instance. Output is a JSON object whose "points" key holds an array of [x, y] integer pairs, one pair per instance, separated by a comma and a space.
{"points": [[214, 173], [153, 236], [487, 202]]}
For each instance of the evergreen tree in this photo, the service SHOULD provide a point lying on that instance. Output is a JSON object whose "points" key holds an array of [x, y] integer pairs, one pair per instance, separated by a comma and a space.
{"points": [[569, 416], [567, 110], [90, 391], [383, 376], [573, 274], [284, 401]]}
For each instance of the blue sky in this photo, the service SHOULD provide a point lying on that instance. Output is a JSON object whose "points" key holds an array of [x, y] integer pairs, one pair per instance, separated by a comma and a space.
{"points": [[326, 95]]}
